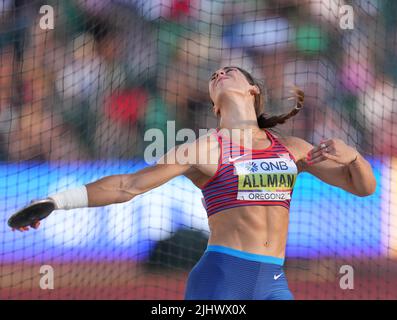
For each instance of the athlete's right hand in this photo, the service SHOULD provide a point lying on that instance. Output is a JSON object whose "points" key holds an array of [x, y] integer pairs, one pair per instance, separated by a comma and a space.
{"points": [[34, 225]]}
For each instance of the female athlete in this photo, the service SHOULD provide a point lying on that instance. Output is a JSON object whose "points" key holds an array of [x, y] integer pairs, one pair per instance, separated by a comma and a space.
{"points": [[247, 193]]}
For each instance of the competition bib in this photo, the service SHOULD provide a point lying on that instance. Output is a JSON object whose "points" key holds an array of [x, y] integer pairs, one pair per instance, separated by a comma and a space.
{"points": [[265, 179]]}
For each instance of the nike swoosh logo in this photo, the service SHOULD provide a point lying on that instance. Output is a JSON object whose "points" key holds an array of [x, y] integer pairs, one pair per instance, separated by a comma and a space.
{"points": [[277, 276], [236, 158]]}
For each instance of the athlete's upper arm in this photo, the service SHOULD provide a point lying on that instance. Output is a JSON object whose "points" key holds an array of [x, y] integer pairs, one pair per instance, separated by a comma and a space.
{"points": [[328, 171]]}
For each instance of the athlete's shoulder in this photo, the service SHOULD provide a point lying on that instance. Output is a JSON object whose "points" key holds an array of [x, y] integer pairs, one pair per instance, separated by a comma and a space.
{"points": [[206, 141], [298, 146], [195, 151], [208, 144], [296, 141]]}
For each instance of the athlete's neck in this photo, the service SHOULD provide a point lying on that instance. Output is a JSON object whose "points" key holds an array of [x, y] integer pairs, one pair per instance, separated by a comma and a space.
{"points": [[238, 119], [237, 111]]}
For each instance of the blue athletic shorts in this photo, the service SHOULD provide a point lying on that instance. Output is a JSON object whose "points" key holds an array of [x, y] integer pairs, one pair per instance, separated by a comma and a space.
{"points": [[224, 273]]}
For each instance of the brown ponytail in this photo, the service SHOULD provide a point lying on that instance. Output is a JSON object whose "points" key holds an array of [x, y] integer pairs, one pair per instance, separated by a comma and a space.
{"points": [[269, 122]]}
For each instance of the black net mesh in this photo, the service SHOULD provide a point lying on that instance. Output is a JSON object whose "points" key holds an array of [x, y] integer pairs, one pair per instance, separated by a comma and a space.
{"points": [[83, 81]]}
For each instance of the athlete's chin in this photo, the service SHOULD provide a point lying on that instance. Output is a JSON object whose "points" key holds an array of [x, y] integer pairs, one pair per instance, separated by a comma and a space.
{"points": [[224, 84], [225, 93]]}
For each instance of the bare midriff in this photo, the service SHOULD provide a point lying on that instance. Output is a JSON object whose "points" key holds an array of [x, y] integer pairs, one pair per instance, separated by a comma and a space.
{"points": [[255, 229]]}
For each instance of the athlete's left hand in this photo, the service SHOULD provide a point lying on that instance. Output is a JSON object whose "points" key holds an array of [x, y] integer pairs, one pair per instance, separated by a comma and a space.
{"points": [[332, 149]]}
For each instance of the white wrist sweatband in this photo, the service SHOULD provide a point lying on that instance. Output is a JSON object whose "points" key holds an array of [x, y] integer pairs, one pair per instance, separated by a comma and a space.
{"points": [[71, 199]]}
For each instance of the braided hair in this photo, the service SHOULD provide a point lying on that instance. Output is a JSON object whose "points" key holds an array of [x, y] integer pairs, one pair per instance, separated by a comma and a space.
{"points": [[265, 121]]}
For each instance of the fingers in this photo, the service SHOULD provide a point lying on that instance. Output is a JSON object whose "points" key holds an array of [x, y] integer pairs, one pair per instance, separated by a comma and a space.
{"points": [[34, 225], [321, 151], [317, 150], [322, 157], [22, 229], [325, 150], [330, 156], [316, 160]]}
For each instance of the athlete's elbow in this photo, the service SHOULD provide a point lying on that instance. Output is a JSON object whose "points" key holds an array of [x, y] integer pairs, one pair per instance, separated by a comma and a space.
{"points": [[124, 196], [371, 186], [128, 188], [367, 189]]}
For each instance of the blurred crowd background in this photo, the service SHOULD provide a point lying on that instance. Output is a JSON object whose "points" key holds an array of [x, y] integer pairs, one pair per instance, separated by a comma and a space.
{"points": [[109, 70]]}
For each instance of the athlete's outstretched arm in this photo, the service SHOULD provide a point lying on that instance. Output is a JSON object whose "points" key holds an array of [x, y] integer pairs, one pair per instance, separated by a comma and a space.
{"points": [[124, 187]]}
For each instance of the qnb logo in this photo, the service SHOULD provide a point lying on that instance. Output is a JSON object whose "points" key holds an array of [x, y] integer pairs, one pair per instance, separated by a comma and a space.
{"points": [[273, 166], [251, 167]]}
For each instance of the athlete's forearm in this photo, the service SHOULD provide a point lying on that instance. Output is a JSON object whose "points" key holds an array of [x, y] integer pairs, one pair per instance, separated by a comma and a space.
{"points": [[105, 191], [362, 177], [108, 190]]}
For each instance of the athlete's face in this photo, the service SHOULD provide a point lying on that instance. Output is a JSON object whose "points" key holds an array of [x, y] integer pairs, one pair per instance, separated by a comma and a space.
{"points": [[230, 80]]}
